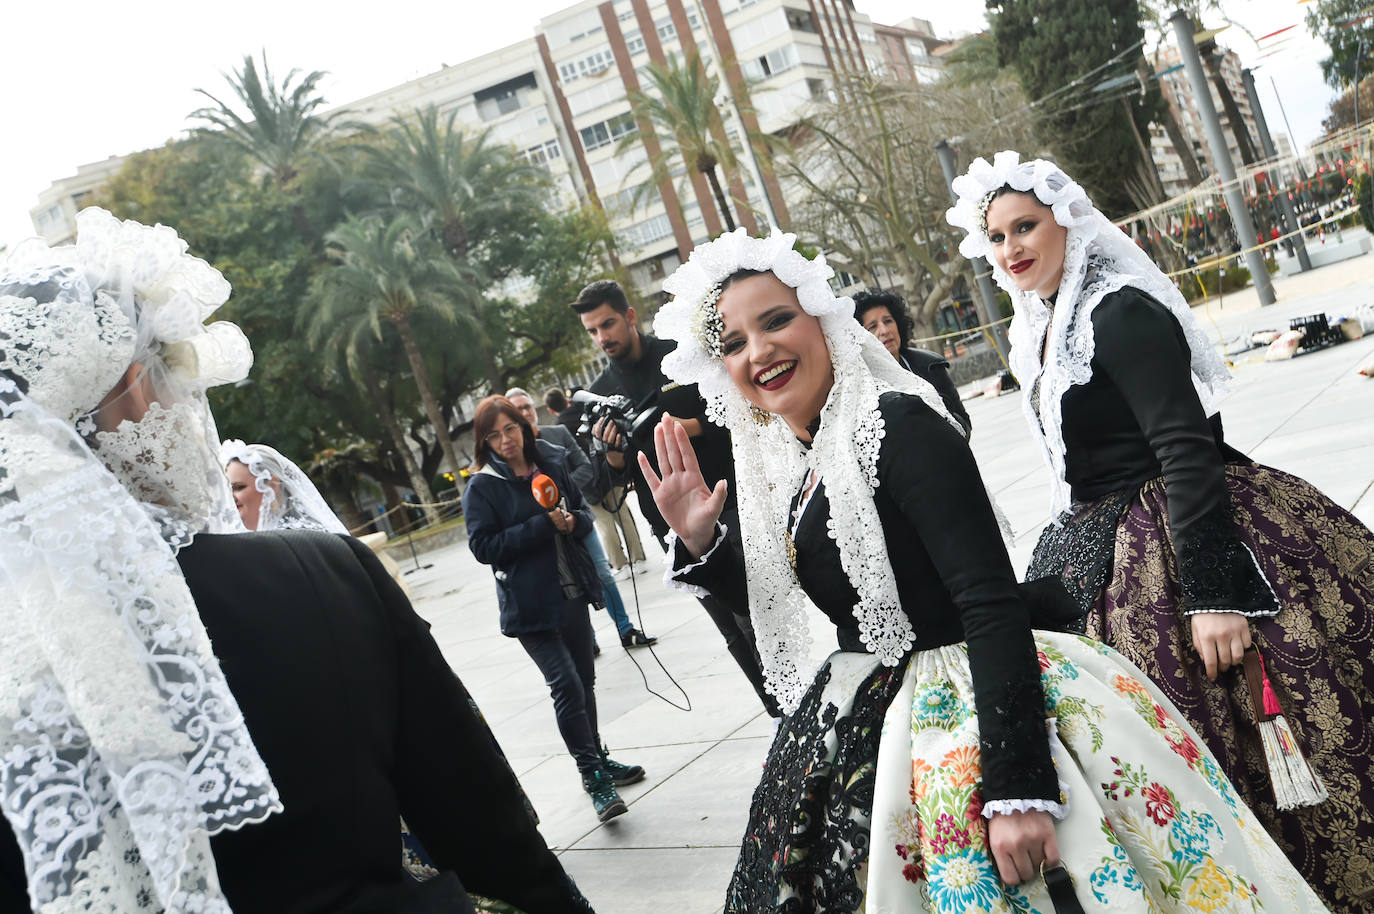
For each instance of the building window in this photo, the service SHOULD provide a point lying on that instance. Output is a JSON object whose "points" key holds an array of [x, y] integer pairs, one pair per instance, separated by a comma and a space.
{"points": [[772, 63], [666, 29], [634, 43], [646, 232], [543, 153], [800, 21], [606, 132], [592, 64]]}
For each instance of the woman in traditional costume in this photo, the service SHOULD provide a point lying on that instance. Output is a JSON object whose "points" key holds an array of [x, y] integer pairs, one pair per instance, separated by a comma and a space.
{"points": [[1243, 592], [272, 493], [192, 721], [949, 756]]}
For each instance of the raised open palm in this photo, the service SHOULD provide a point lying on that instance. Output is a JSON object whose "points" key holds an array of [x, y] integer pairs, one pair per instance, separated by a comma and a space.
{"points": [[683, 499]]}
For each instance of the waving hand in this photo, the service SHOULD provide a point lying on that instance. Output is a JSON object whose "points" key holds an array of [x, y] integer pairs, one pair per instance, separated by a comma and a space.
{"points": [[683, 499]]}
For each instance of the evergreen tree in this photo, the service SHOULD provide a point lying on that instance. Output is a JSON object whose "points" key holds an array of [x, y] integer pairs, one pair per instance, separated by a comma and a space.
{"points": [[1093, 112], [1347, 27]]}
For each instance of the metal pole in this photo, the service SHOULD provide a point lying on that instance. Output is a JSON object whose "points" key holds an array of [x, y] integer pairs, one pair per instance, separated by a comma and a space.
{"points": [[1226, 169], [1271, 153], [982, 273]]}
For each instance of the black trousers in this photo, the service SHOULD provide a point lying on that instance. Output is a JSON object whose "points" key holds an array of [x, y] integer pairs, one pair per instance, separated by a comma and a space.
{"points": [[566, 659]]}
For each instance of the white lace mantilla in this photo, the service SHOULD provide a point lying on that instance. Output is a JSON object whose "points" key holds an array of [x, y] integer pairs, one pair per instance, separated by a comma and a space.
{"points": [[1099, 259], [92, 604], [290, 500], [122, 749], [770, 462]]}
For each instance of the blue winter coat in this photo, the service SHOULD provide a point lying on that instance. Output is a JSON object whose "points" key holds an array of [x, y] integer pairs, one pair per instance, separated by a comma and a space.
{"points": [[508, 530]]}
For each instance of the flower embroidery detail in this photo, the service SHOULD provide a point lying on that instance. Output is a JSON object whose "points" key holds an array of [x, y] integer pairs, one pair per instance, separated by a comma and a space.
{"points": [[963, 881], [963, 766], [1159, 803]]}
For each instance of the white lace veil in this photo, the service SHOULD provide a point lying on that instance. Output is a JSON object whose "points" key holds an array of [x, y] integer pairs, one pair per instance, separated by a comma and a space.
{"points": [[1098, 259], [293, 503], [770, 462], [121, 747]]}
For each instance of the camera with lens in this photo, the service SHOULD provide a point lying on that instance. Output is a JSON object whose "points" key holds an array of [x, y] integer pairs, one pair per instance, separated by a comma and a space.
{"points": [[636, 424]]}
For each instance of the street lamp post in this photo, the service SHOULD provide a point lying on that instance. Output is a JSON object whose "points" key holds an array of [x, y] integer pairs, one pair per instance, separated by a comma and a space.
{"points": [[982, 273], [1226, 169]]}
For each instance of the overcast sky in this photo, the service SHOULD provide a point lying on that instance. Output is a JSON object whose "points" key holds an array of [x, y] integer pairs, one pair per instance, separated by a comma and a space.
{"points": [[92, 79]]}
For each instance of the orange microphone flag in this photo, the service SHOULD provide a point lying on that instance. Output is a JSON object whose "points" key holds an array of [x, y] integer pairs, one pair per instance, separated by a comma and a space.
{"points": [[545, 490]]}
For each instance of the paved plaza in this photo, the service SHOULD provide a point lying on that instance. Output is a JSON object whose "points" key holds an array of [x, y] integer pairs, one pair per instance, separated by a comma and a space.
{"points": [[674, 850]]}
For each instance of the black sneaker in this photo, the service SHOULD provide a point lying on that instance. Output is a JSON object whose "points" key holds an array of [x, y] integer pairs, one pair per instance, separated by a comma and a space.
{"points": [[620, 774], [605, 800], [636, 638]]}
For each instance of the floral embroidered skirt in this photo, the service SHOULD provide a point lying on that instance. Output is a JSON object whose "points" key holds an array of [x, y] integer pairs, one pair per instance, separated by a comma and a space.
{"points": [[1319, 652], [871, 800]]}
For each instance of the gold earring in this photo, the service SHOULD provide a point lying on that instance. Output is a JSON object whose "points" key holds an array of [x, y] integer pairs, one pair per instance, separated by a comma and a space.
{"points": [[761, 416]]}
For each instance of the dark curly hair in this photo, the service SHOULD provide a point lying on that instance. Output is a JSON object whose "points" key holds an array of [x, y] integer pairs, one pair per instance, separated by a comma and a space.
{"points": [[869, 299]]}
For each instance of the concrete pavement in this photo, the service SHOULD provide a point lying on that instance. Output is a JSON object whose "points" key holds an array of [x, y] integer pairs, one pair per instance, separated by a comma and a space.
{"points": [[674, 850]]}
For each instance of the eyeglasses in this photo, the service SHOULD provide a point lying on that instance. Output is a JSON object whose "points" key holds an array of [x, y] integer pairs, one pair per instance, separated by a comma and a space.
{"points": [[510, 431]]}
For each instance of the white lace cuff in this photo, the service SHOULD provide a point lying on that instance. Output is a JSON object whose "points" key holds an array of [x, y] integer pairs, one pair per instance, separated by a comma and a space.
{"points": [[671, 573], [1002, 807]]}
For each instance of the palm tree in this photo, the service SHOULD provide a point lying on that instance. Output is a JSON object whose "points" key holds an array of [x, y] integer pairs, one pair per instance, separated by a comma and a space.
{"points": [[282, 129], [385, 274], [464, 186], [682, 104], [351, 339]]}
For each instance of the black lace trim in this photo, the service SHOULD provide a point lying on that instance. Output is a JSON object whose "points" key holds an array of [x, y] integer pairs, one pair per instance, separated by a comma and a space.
{"points": [[1081, 551], [808, 834], [1017, 764], [1216, 571]]}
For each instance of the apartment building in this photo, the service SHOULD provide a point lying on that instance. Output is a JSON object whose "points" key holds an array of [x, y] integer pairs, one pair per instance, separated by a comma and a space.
{"points": [[561, 97], [1178, 95], [54, 218]]}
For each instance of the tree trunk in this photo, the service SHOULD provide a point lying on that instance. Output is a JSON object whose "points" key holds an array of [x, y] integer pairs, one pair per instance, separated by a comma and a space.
{"points": [[720, 198], [1228, 102], [431, 402], [417, 479], [456, 239]]}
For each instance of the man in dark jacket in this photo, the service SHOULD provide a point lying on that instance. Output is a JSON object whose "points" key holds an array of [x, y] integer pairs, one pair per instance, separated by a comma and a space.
{"points": [[636, 371], [583, 475]]}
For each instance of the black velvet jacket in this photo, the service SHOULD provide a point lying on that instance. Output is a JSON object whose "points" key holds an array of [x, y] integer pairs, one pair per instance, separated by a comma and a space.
{"points": [[934, 369], [954, 578], [360, 720], [1140, 418]]}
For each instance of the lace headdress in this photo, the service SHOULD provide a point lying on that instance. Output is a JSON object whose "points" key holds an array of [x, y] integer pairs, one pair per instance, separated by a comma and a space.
{"points": [[121, 747], [1098, 259], [770, 462], [290, 500]]}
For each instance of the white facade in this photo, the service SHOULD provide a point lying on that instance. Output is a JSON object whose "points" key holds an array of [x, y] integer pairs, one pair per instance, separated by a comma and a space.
{"points": [[54, 218]]}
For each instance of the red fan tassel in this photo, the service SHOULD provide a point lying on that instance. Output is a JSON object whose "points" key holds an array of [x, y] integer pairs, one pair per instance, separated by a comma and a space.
{"points": [[1295, 783]]}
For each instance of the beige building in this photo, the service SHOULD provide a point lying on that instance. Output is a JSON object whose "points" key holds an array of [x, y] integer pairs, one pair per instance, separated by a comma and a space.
{"points": [[54, 218], [561, 98]]}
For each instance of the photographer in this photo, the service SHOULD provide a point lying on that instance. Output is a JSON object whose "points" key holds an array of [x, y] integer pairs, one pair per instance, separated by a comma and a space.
{"points": [[635, 372]]}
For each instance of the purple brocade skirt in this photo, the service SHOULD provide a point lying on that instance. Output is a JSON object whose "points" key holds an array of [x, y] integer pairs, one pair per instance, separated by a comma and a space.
{"points": [[1319, 651]]}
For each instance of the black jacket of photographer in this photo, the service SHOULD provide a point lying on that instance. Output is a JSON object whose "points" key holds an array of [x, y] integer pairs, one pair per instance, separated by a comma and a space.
{"points": [[644, 383]]}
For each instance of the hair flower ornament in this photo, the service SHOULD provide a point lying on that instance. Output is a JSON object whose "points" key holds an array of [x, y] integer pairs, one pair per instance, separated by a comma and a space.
{"points": [[1099, 259], [976, 188]]}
